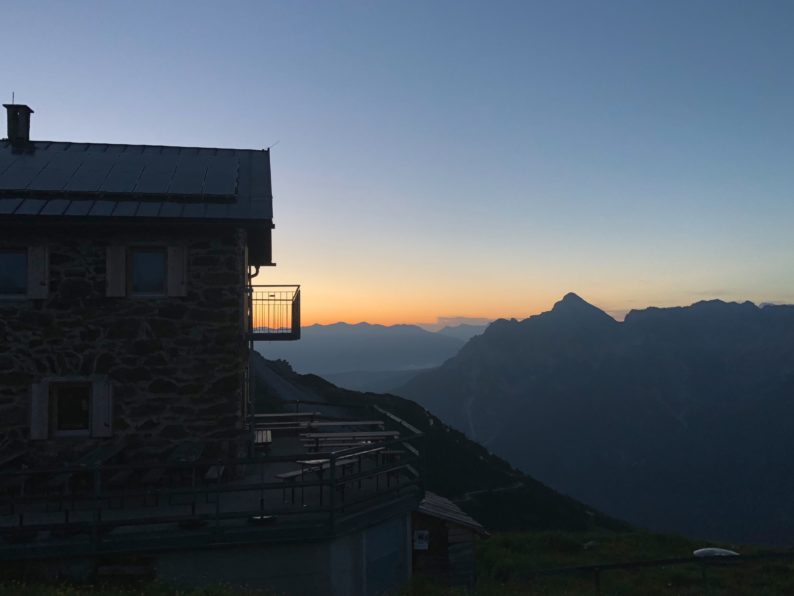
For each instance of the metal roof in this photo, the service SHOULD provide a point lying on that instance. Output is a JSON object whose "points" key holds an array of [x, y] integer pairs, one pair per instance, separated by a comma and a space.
{"points": [[437, 506], [133, 181]]}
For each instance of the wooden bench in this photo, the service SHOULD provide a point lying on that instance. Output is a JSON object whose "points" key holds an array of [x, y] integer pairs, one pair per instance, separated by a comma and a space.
{"points": [[324, 438], [378, 434], [120, 478], [153, 477], [88, 461], [286, 416], [345, 423], [61, 482], [183, 454], [215, 473], [7, 460], [311, 447], [311, 466]]}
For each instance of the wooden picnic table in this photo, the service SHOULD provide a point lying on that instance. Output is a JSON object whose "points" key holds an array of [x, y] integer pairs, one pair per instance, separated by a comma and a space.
{"points": [[10, 459], [319, 466], [336, 423], [282, 415], [371, 434], [184, 453], [99, 456], [342, 436], [325, 462], [93, 459], [308, 425]]}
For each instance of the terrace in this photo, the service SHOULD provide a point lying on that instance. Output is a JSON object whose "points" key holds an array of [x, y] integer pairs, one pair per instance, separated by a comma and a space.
{"points": [[310, 474]]}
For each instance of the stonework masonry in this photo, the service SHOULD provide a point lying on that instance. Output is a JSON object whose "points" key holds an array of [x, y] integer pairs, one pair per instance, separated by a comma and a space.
{"points": [[176, 364]]}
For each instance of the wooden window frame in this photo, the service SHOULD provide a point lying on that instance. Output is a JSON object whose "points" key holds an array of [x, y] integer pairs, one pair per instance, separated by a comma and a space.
{"points": [[43, 414], [53, 397]]}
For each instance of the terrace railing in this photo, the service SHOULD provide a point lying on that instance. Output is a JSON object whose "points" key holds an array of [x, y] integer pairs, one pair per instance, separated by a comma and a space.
{"points": [[274, 312], [91, 515]]}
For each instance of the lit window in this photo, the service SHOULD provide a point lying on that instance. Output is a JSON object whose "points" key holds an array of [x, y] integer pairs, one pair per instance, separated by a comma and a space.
{"points": [[13, 272], [71, 408], [147, 271]]}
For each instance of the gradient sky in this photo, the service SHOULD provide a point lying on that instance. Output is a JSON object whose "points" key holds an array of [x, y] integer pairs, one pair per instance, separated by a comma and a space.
{"points": [[458, 158]]}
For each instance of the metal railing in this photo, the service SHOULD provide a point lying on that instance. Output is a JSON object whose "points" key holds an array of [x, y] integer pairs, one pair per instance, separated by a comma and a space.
{"points": [[94, 516], [274, 312]]}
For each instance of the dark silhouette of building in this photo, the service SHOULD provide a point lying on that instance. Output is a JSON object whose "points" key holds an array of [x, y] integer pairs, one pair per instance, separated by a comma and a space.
{"points": [[126, 304], [128, 436], [445, 541]]}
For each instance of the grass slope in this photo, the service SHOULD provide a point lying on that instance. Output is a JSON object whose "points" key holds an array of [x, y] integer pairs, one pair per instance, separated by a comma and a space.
{"points": [[507, 564], [485, 486]]}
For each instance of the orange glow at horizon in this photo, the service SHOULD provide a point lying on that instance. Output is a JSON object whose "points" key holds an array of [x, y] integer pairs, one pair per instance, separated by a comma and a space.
{"points": [[343, 282], [327, 302]]}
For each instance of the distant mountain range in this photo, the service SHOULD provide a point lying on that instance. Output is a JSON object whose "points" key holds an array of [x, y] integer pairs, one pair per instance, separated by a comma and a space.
{"points": [[677, 419], [485, 486], [369, 357], [464, 331]]}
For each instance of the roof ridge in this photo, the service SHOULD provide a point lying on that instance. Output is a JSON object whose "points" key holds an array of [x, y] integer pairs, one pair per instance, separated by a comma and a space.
{"points": [[151, 145]]}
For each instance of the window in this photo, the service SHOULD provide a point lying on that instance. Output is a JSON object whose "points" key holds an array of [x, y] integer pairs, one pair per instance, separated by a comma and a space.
{"points": [[13, 272], [141, 270], [147, 271], [71, 408]]}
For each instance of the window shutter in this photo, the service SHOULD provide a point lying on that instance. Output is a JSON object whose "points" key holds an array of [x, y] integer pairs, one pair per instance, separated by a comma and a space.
{"points": [[38, 272], [101, 408], [40, 411], [116, 271], [177, 271]]}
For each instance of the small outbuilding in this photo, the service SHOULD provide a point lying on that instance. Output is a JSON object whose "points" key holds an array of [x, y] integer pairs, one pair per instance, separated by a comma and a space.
{"points": [[444, 542]]}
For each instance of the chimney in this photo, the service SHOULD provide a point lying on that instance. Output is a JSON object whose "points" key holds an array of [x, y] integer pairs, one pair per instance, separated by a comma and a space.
{"points": [[18, 123]]}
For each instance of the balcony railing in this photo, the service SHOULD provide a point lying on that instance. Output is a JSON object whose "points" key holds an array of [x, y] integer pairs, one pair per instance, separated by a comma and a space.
{"points": [[274, 312], [91, 514]]}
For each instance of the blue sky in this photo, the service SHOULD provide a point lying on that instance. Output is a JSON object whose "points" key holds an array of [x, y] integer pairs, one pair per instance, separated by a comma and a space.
{"points": [[458, 158]]}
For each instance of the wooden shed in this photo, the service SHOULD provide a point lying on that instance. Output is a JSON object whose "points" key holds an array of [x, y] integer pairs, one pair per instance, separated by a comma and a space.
{"points": [[444, 542]]}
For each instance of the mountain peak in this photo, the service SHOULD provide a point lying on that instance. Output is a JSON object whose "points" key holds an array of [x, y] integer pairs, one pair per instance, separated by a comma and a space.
{"points": [[572, 298], [572, 302], [575, 308]]}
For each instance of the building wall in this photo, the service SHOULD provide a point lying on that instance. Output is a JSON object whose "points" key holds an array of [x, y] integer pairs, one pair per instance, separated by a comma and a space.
{"points": [[342, 566], [175, 364], [451, 554]]}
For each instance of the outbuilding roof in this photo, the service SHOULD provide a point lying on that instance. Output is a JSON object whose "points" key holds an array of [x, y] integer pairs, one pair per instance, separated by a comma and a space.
{"points": [[437, 506], [134, 181]]}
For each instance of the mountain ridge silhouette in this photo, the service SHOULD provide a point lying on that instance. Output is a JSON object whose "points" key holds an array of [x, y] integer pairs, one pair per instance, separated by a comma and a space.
{"points": [[675, 419]]}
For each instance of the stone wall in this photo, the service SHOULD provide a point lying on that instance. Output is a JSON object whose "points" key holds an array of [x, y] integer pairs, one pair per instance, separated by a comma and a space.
{"points": [[176, 364]]}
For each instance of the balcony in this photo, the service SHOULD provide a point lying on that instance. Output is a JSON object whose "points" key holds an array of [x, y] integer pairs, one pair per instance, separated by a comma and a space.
{"points": [[274, 313]]}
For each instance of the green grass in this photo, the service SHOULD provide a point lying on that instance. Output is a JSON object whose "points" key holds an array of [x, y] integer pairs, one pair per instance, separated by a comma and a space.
{"points": [[507, 563], [16, 588]]}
